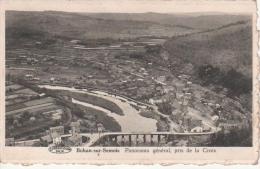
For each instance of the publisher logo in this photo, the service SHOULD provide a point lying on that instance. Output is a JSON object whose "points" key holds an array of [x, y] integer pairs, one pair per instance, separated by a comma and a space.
{"points": [[59, 149]]}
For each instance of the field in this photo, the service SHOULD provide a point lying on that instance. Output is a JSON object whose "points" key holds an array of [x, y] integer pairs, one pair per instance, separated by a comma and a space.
{"points": [[13, 87], [39, 101], [26, 92], [29, 117], [30, 106]]}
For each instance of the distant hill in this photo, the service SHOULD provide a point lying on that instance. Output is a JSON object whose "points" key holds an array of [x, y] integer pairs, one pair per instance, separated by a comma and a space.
{"points": [[21, 24], [228, 46], [81, 26], [195, 21]]}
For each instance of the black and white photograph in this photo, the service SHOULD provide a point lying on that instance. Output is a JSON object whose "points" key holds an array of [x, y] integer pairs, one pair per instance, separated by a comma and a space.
{"points": [[81, 79]]}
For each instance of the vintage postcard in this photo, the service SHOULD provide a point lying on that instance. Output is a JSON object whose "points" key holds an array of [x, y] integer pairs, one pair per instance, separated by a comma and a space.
{"points": [[129, 82]]}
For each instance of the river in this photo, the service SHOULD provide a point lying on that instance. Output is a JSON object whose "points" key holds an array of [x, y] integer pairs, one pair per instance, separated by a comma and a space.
{"points": [[131, 121]]}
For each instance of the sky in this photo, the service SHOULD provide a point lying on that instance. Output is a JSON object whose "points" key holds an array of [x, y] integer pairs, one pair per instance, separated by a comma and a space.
{"points": [[131, 6]]}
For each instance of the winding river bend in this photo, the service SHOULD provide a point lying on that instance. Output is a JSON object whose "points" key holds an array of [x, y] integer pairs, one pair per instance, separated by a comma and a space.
{"points": [[131, 121]]}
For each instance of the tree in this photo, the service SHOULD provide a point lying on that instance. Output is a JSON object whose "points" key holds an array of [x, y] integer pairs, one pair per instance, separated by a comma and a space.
{"points": [[153, 49], [25, 116], [235, 137], [165, 108], [237, 83], [10, 120]]}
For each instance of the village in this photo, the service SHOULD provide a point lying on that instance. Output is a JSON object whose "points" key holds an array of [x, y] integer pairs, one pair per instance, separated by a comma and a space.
{"points": [[176, 103]]}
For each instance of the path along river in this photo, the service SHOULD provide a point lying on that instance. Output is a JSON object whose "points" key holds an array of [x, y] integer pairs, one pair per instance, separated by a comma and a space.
{"points": [[131, 121]]}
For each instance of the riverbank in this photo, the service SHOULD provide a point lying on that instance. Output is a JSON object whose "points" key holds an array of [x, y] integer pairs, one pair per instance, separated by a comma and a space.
{"points": [[131, 121], [94, 100]]}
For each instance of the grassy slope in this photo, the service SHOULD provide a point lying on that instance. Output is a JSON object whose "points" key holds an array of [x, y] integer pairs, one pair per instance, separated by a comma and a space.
{"points": [[227, 47], [97, 101]]}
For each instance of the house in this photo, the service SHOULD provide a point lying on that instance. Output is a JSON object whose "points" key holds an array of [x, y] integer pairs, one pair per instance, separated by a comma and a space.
{"points": [[75, 127], [36, 79], [142, 69], [197, 129], [41, 94], [75, 41], [29, 76], [32, 118], [100, 127], [215, 118], [155, 101], [47, 139], [56, 130], [52, 79], [189, 83], [168, 89], [56, 138], [38, 43], [206, 128], [189, 123], [54, 135], [161, 80], [57, 115], [186, 90]]}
